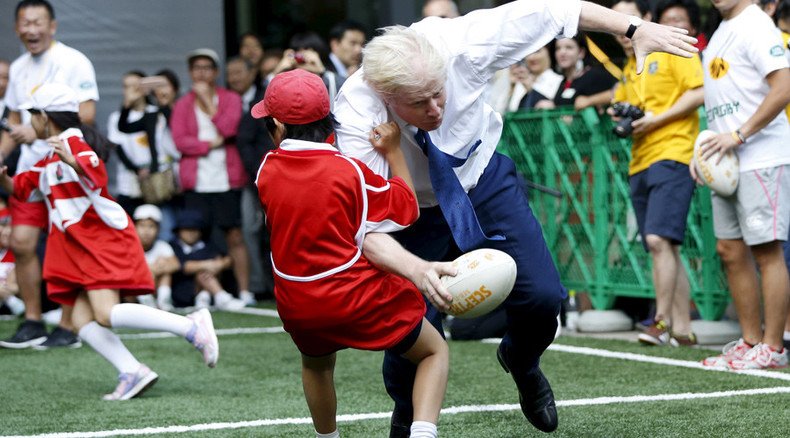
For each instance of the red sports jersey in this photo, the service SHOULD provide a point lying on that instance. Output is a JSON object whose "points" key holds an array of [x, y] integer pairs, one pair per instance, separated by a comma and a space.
{"points": [[92, 243], [319, 205]]}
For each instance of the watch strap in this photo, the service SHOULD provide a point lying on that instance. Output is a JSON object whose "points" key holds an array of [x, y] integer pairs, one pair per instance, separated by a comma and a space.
{"points": [[630, 32]]}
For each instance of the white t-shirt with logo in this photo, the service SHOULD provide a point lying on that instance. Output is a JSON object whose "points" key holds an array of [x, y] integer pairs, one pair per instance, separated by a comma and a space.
{"points": [[59, 64], [741, 53]]}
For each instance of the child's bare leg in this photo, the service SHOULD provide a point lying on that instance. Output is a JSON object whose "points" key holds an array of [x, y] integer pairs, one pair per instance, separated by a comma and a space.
{"points": [[209, 282], [431, 354], [319, 391]]}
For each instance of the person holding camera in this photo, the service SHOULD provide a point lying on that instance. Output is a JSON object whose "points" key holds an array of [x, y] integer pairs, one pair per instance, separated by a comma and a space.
{"points": [[658, 110]]}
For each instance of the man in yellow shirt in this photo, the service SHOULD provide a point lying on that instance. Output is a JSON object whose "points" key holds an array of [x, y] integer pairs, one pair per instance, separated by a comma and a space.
{"points": [[668, 91]]}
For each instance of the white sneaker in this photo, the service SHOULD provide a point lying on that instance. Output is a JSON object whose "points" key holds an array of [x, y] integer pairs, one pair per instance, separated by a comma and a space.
{"points": [[203, 300], [248, 297], [131, 385], [225, 301], [732, 351], [761, 357], [203, 336]]}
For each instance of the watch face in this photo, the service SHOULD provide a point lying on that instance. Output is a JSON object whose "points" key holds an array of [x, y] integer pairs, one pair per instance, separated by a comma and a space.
{"points": [[636, 21]]}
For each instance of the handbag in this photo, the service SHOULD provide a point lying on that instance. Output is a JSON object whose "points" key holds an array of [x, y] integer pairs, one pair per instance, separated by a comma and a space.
{"points": [[159, 187]]}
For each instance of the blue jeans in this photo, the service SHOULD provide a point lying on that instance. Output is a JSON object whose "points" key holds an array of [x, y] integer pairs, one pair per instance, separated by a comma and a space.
{"points": [[502, 208]]}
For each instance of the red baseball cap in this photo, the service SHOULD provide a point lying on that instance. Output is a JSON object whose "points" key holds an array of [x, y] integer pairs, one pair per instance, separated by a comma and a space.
{"points": [[295, 97]]}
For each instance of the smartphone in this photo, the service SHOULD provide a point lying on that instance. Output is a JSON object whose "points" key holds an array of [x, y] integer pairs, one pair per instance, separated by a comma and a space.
{"points": [[299, 58], [149, 83]]}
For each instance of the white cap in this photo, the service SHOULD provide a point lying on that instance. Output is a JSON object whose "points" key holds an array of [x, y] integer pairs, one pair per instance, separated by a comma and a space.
{"points": [[53, 98], [148, 211], [206, 53]]}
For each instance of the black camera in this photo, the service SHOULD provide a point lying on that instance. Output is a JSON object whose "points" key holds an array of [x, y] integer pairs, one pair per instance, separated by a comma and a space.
{"points": [[4, 125], [627, 113]]}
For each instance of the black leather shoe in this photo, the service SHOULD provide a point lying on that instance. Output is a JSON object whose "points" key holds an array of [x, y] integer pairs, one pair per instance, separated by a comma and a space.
{"points": [[534, 396], [400, 425]]}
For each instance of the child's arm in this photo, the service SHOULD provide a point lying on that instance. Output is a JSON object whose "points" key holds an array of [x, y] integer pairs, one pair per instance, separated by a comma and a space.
{"points": [[10, 286], [387, 254], [386, 139], [6, 182], [165, 265], [64, 152]]}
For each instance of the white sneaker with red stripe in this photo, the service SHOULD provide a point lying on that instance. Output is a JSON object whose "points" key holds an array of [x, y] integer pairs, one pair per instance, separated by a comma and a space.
{"points": [[761, 357], [732, 351]]}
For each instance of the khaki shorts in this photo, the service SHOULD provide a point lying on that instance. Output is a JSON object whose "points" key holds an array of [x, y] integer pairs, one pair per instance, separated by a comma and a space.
{"points": [[759, 210]]}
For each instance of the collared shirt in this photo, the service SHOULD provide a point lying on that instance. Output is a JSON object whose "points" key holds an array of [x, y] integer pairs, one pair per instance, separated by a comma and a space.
{"points": [[665, 79], [475, 47], [340, 68]]}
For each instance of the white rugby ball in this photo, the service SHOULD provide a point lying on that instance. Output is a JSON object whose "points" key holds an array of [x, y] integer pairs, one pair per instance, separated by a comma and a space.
{"points": [[722, 178], [484, 280]]}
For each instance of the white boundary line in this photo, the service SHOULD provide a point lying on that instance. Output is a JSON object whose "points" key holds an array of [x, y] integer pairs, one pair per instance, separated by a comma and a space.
{"points": [[220, 332], [255, 311], [655, 360], [381, 415]]}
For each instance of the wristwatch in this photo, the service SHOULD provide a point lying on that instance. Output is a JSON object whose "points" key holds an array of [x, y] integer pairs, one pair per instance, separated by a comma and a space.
{"points": [[633, 24]]}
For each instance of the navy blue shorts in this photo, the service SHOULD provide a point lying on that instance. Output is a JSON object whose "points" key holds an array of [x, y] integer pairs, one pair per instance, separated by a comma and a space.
{"points": [[661, 196]]}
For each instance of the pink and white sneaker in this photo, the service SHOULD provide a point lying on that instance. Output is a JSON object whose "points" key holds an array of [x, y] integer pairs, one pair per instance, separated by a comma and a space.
{"points": [[131, 385], [732, 351], [203, 336], [761, 357]]}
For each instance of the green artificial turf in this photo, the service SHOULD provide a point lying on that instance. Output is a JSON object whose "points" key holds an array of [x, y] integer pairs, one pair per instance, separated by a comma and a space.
{"points": [[258, 378]]}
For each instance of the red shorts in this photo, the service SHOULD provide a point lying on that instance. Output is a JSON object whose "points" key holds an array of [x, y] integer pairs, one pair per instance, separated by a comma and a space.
{"points": [[66, 293], [33, 214], [365, 309]]}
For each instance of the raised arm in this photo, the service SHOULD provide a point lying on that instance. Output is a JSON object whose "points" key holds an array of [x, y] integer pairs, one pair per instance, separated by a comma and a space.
{"points": [[648, 38]]}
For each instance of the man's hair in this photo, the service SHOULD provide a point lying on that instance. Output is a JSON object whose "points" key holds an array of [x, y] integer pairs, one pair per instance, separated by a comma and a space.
{"points": [[782, 10], [233, 59], [34, 3], [691, 7], [400, 61], [316, 132], [340, 29]]}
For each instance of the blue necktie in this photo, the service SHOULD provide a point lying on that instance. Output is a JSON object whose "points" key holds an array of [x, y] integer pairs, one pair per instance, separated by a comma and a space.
{"points": [[453, 200]]}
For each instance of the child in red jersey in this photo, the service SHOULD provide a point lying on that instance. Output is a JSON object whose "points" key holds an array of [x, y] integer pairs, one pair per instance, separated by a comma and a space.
{"points": [[93, 254], [319, 206], [8, 286]]}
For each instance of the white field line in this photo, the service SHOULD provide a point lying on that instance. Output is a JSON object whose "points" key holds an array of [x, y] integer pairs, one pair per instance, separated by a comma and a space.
{"points": [[382, 415], [220, 332], [255, 311], [654, 359]]}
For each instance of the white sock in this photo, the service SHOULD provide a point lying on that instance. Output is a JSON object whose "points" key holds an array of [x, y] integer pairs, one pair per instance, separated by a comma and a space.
{"points": [[16, 305], [164, 295], [137, 316], [786, 335], [109, 346], [423, 429], [334, 434]]}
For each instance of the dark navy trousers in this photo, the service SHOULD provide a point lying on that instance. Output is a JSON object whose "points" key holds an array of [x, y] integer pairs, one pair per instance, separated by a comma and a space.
{"points": [[501, 205]]}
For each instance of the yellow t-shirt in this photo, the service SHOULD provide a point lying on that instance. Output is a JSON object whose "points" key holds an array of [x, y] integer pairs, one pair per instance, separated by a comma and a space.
{"points": [[665, 78]]}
